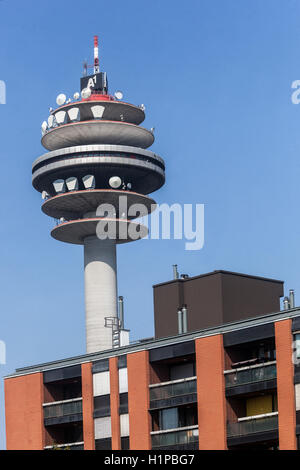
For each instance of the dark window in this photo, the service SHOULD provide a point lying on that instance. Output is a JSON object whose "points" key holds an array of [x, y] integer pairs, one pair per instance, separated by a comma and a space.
{"points": [[103, 444], [122, 362], [125, 443], [123, 403], [101, 366], [177, 417], [101, 406]]}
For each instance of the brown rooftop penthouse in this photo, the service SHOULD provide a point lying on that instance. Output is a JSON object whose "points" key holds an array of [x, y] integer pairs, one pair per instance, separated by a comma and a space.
{"points": [[213, 299]]}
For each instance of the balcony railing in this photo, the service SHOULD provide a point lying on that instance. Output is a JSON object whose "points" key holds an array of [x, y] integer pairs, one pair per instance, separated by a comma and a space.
{"points": [[64, 408], [253, 425], [71, 446], [173, 389], [250, 375], [179, 437]]}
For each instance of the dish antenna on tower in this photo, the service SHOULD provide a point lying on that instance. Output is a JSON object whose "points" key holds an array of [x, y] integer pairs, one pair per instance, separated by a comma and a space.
{"points": [[44, 126], [86, 93], [118, 95], [115, 182], [61, 99]]}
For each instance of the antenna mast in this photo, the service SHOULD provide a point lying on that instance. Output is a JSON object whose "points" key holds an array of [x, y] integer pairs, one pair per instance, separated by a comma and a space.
{"points": [[96, 55]]}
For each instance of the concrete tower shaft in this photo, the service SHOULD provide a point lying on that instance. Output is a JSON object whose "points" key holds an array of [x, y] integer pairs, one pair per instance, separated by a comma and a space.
{"points": [[100, 277], [97, 157]]}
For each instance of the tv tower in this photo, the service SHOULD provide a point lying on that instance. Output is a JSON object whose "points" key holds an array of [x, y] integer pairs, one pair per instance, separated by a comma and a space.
{"points": [[95, 180]]}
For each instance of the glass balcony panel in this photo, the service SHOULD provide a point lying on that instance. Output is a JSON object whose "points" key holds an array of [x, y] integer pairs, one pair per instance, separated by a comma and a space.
{"points": [[252, 426], [256, 374], [180, 389], [173, 390], [63, 409], [174, 438]]}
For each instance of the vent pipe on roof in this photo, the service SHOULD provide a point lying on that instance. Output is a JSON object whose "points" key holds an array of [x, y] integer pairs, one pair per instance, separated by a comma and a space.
{"points": [[184, 319], [121, 311], [175, 272], [292, 298], [286, 303], [180, 322]]}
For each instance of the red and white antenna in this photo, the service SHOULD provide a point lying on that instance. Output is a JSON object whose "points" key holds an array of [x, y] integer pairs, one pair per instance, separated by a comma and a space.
{"points": [[96, 55]]}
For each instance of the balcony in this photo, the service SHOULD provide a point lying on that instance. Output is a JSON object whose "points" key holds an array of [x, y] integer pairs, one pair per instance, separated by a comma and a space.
{"points": [[177, 392], [60, 412], [250, 379], [181, 439], [253, 425]]}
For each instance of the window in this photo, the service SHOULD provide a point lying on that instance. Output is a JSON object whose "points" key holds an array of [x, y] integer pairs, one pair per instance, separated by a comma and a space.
{"points": [[261, 404], [103, 444], [102, 428], [124, 425], [169, 418], [101, 383], [125, 443], [173, 418], [101, 406], [297, 345], [123, 380], [123, 400]]}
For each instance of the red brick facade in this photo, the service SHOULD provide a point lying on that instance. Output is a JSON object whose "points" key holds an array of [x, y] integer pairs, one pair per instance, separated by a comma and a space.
{"points": [[285, 385], [211, 393]]}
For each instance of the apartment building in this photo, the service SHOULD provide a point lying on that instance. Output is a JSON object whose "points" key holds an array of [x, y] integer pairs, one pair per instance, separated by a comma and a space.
{"points": [[222, 372]]}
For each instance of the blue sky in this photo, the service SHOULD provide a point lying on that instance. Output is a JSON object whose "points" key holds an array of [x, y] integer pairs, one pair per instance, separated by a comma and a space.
{"points": [[215, 76]]}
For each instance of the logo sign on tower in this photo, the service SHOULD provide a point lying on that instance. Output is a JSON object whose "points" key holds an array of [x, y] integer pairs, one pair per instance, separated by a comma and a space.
{"points": [[95, 82]]}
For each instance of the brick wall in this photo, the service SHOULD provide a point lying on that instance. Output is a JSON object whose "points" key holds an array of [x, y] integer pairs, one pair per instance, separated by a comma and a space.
{"points": [[285, 385]]}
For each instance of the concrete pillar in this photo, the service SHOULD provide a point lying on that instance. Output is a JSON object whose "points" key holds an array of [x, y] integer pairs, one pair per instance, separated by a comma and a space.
{"points": [[100, 277]]}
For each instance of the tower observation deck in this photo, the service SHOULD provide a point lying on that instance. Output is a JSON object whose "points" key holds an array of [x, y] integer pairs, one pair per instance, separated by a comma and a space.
{"points": [[95, 180]]}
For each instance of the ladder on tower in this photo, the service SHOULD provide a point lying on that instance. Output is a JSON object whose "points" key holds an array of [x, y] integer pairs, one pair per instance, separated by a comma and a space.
{"points": [[114, 324]]}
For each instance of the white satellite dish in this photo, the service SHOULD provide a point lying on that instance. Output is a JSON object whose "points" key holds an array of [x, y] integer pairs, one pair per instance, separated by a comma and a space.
{"points": [[44, 126], [115, 182], [86, 93], [76, 96], [61, 99], [142, 107], [118, 95]]}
